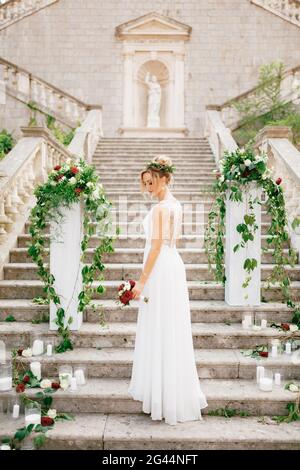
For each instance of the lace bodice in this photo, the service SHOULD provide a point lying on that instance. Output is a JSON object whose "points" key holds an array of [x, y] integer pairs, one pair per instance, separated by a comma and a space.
{"points": [[171, 222]]}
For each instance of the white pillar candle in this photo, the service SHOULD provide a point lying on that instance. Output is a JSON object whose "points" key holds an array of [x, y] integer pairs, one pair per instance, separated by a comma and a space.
{"points": [[35, 368], [248, 319], [49, 349], [288, 348], [34, 418], [5, 447], [277, 377], [264, 323], [266, 384], [16, 411], [274, 352], [79, 374], [73, 384], [37, 347], [260, 371], [5, 384]]}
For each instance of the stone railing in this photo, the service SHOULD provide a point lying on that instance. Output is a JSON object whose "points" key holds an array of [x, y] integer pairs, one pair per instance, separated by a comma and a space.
{"points": [[218, 135], [25, 87], [287, 9], [28, 165], [14, 10], [284, 159], [290, 92]]}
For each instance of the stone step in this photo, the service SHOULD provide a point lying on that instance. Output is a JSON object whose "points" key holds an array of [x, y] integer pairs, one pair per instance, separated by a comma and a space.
{"points": [[116, 335], [194, 272], [211, 363], [199, 194], [201, 311], [97, 431], [108, 179], [110, 395], [176, 186]]}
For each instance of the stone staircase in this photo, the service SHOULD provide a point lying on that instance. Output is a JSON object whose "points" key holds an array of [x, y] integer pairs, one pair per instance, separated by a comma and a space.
{"points": [[106, 416]]}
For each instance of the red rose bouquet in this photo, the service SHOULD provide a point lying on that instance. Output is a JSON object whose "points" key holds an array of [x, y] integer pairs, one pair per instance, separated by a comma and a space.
{"points": [[125, 293]]}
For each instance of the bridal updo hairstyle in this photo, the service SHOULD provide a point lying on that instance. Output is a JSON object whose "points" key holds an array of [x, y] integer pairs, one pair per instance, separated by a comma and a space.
{"points": [[157, 173]]}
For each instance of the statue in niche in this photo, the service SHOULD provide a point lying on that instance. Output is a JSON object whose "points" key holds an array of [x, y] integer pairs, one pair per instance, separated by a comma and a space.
{"points": [[154, 100]]}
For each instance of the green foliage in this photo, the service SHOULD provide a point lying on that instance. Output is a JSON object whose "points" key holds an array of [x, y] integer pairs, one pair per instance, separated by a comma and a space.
{"points": [[228, 412], [65, 186], [10, 318], [62, 136], [6, 142], [293, 413]]}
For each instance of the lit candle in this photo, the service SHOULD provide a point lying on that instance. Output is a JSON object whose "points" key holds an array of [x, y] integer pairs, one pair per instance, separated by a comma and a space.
{"points": [[266, 384], [274, 350], [263, 323], [277, 377], [73, 384], [5, 384], [34, 418], [288, 348], [35, 368], [49, 349], [37, 347], [260, 371], [79, 374], [16, 411]]}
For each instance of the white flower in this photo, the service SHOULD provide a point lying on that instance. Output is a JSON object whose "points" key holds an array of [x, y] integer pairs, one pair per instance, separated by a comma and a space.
{"points": [[63, 178], [222, 178], [90, 184], [72, 180], [46, 383], [52, 413], [127, 285], [293, 388], [68, 161], [293, 327], [247, 162], [95, 194], [52, 183], [27, 352]]}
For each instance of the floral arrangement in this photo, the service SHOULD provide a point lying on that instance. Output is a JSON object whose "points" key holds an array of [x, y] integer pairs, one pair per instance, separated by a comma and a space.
{"points": [[66, 184], [237, 170], [125, 293]]}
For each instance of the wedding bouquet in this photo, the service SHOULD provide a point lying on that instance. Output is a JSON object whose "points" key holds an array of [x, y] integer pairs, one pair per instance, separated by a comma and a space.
{"points": [[125, 293]]}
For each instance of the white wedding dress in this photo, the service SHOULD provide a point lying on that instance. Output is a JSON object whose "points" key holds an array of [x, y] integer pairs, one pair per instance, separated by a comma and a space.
{"points": [[164, 374]]}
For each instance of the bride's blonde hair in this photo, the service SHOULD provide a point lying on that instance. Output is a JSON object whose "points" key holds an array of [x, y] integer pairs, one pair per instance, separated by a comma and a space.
{"points": [[162, 167]]}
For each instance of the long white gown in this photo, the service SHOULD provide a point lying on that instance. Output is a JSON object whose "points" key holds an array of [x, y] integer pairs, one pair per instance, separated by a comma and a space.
{"points": [[164, 374]]}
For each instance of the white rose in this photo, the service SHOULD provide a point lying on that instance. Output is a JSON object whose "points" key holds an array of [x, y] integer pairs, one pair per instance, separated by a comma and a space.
{"points": [[27, 352], [52, 183], [95, 194], [222, 178], [293, 388], [46, 383], [52, 413], [293, 327], [68, 161], [72, 180], [63, 178], [90, 184], [247, 162]]}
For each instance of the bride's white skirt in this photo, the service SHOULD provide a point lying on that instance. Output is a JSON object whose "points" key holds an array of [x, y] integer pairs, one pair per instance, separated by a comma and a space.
{"points": [[164, 374]]}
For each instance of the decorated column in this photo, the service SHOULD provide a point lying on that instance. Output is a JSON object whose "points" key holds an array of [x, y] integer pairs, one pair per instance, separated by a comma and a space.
{"points": [[65, 264], [241, 216]]}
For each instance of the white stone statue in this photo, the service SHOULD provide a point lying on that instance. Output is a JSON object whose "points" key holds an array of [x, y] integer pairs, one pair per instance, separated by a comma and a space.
{"points": [[154, 100]]}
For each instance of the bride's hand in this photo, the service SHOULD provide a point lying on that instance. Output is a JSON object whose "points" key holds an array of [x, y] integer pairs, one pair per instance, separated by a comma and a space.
{"points": [[137, 289]]}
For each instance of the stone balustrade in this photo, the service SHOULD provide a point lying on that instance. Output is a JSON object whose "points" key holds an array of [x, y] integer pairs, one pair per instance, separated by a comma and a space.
{"points": [[286, 9], [285, 160], [290, 92], [26, 87], [218, 135], [14, 10]]}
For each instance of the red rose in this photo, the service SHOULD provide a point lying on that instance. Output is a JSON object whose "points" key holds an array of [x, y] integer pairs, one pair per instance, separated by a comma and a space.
{"points": [[278, 181], [55, 385], [126, 297], [57, 167], [20, 388], [121, 286], [74, 170], [263, 353], [20, 352], [132, 283], [46, 421], [59, 177], [26, 379], [78, 190], [285, 326]]}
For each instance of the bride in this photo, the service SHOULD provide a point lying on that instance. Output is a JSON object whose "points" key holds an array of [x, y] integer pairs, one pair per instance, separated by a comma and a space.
{"points": [[164, 374]]}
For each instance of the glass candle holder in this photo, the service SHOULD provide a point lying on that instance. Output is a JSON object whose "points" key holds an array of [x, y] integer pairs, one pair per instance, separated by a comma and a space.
{"points": [[265, 383], [247, 320], [65, 373], [80, 373], [2, 352], [37, 345], [5, 376], [32, 413]]}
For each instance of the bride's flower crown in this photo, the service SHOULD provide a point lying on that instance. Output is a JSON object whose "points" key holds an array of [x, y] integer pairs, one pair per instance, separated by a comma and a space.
{"points": [[161, 167]]}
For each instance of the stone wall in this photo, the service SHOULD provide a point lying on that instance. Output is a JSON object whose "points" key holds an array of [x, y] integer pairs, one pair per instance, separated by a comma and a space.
{"points": [[72, 45]]}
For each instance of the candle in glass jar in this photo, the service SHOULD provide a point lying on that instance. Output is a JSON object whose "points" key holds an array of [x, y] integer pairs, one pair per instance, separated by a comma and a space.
{"points": [[79, 375], [266, 384], [274, 351], [288, 348], [73, 384], [34, 418], [16, 411], [49, 349], [277, 378], [5, 447], [263, 323], [5, 384], [37, 347], [35, 368], [260, 370]]}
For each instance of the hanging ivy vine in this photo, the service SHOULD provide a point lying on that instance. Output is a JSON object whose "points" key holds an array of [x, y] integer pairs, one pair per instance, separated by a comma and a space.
{"points": [[70, 183]]}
